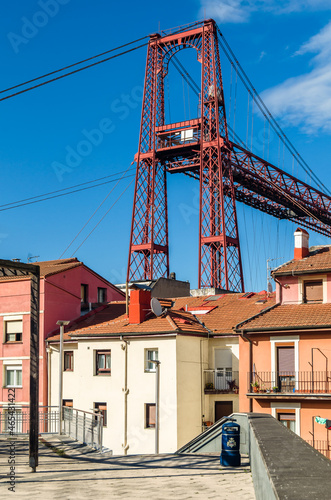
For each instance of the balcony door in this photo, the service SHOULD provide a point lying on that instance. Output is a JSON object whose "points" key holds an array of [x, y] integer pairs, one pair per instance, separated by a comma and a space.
{"points": [[286, 368], [223, 369]]}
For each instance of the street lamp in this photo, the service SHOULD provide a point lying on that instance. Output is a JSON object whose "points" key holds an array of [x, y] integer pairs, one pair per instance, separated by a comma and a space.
{"points": [[157, 401], [61, 324]]}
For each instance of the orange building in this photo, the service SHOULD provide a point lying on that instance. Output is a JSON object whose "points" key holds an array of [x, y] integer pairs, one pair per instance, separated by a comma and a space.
{"points": [[284, 351]]}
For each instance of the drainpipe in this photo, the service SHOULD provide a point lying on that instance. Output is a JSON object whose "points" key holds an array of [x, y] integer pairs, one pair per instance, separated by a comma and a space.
{"points": [[280, 290], [49, 351], [126, 392], [243, 336]]}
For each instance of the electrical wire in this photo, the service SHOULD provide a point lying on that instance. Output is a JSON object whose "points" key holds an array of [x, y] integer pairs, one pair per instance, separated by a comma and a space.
{"points": [[71, 72], [72, 65], [63, 194], [95, 211], [127, 187], [64, 189]]}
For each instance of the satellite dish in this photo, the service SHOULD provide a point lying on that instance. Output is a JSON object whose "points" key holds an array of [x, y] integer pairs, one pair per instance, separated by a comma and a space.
{"points": [[156, 307]]}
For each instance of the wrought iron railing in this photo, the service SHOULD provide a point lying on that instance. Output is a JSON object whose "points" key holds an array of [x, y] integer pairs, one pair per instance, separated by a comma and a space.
{"points": [[290, 382], [221, 381], [83, 426]]}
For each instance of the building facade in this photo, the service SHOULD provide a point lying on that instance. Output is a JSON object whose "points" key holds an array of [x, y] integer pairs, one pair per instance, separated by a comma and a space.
{"points": [[112, 354], [68, 289], [285, 350]]}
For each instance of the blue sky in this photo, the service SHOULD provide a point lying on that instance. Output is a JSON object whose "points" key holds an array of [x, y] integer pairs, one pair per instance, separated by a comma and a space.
{"points": [[89, 122]]}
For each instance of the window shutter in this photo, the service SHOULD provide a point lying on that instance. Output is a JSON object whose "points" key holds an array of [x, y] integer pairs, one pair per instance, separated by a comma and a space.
{"points": [[14, 326], [151, 416], [285, 359], [313, 291]]}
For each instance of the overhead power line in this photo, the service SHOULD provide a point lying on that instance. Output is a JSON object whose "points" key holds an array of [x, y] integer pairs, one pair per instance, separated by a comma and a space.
{"points": [[67, 74], [74, 64], [95, 211], [47, 197]]}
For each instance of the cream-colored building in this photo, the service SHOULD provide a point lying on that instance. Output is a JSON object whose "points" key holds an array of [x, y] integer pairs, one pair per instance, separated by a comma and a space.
{"points": [[108, 367]]}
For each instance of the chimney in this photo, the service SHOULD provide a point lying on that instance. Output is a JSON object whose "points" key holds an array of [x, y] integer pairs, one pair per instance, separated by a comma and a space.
{"points": [[140, 305], [301, 244]]}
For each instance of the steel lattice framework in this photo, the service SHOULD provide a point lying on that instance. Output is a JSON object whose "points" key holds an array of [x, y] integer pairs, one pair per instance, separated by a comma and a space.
{"points": [[227, 172]]}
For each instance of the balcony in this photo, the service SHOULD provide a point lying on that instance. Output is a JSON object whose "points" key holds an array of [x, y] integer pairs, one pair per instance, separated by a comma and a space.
{"points": [[221, 381], [290, 384]]}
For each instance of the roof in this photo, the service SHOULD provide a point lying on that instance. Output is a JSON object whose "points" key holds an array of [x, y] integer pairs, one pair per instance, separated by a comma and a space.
{"points": [[290, 316], [49, 267], [203, 316], [318, 260]]}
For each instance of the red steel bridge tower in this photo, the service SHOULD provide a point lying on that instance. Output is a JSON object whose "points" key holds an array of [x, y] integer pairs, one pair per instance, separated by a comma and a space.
{"points": [[226, 171]]}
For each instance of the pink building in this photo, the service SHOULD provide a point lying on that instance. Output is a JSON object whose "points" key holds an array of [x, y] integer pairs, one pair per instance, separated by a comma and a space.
{"points": [[68, 290]]}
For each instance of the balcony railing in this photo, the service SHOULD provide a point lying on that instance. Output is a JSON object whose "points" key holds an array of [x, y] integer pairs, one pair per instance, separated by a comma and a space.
{"points": [[307, 382], [80, 425], [221, 381]]}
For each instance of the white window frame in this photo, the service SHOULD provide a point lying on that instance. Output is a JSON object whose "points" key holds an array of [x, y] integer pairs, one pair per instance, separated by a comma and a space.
{"points": [[146, 360], [288, 406], [312, 277], [293, 340], [16, 367], [7, 319]]}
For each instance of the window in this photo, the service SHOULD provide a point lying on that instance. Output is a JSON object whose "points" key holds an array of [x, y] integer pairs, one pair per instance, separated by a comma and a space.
{"points": [[102, 362], [313, 291], [68, 361], [150, 355], [101, 408], [102, 295], [13, 376], [287, 418], [83, 293], [13, 330], [150, 415]]}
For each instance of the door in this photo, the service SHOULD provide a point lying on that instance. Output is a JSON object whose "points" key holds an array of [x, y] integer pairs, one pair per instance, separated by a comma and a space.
{"points": [[223, 409], [286, 368], [223, 369]]}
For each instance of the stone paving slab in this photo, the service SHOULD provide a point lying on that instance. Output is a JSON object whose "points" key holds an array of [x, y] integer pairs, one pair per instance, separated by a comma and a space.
{"points": [[85, 474]]}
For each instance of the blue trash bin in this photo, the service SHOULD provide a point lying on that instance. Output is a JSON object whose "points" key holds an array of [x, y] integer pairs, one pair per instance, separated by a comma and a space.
{"points": [[230, 456]]}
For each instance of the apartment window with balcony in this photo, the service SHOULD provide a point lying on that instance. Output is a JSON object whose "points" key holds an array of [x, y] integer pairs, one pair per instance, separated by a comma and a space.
{"points": [[102, 362], [13, 330], [150, 356], [13, 376], [149, 415], [101, 408], [313, 291], [223, 369], [68, 365], [102, 295]]}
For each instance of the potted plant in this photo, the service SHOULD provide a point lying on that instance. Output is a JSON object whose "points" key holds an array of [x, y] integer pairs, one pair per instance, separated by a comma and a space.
{"points": [[256, 386], [232, 385], [275, 389], [209, 386]]}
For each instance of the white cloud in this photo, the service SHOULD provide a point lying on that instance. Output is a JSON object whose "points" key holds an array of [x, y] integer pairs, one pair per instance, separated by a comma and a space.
{"points": [[305, 100], [239, 11]]}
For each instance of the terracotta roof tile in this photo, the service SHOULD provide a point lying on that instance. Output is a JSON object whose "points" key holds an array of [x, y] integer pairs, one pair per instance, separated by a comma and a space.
{"points": [[219, 319], [50, 267], [291, 316], [319, 259]]}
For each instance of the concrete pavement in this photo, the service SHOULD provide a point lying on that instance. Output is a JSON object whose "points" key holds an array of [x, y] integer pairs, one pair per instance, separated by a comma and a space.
{"points": [[82, 473]]}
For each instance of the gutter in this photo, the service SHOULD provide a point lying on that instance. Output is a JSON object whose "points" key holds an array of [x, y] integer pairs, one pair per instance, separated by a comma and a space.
{"points": [[237, 327], [309, 271]]}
